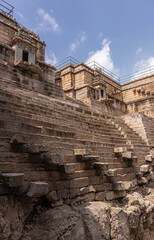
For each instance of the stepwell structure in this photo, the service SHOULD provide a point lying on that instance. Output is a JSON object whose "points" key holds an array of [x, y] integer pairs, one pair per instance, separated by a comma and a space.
{"points": [[72, 134]]}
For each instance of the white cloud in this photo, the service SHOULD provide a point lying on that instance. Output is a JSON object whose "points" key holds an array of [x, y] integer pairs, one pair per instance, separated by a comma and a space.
{"points": [[47, 22], [77, 42], [138, 51], [51, 59], [144, 63], [20, 15], [103, 57], [143, 67], [90, 53]]}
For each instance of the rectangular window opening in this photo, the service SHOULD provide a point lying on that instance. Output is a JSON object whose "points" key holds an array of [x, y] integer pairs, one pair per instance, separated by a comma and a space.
{"points": [[25, 56], [102, 93]]}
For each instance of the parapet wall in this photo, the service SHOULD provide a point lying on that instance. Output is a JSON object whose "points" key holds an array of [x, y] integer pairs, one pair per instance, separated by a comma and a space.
{"points": [[139, 95]]}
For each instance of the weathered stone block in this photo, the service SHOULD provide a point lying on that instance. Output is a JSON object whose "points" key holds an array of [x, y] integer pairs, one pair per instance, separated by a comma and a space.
{"points": [[119, 186], [130, 147], [86, 158], [142, 181], [120, 149], [33, 149], [80, 152], [148, 158], [100, 196], [63, 193], [100, 166], [139, 175], [145, 168], [80, 199], [127, 155], [81, 191], [114, 195], [52, 196], [57, 203], [13, 179], [79, 182], [111, 172], [38, 189], [67, 168], [90, 158], [135, 159]]}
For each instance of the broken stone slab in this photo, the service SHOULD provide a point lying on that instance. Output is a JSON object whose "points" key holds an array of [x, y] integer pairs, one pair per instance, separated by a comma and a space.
{"points": [[148, 158], [12, 179], [120, 149], [111, 172], [145, 168], [67, 168], [38, 189], [114, 195]]}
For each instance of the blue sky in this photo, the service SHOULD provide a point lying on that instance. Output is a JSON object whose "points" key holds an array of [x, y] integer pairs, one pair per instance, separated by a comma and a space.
{"points": [[116, 33]]}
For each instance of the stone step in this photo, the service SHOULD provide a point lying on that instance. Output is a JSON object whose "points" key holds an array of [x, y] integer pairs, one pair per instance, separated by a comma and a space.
{"points": [[38, 189], [12, 179]]}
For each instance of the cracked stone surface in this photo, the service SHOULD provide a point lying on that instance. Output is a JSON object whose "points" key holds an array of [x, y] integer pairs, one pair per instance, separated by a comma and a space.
{"points": [[31, 219]]}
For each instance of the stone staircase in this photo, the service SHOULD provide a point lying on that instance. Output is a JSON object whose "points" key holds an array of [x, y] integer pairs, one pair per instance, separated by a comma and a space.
{"points": [[141, 124], [60, 148]]}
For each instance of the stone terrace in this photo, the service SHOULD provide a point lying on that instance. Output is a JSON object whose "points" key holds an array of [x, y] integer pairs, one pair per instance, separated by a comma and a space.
{"points": [[54, 146]]}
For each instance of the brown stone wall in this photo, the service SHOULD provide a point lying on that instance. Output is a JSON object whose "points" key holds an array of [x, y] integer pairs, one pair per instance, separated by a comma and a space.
{"points": [[139, 95], [6, 54], [81, 94], [8, 28], [6, 33], [67, 81], [145, 106], [140, 89], [79, 79]]}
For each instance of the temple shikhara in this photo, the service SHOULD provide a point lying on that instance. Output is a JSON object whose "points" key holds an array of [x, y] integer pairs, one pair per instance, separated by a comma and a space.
{"points": [[76, 146]]}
